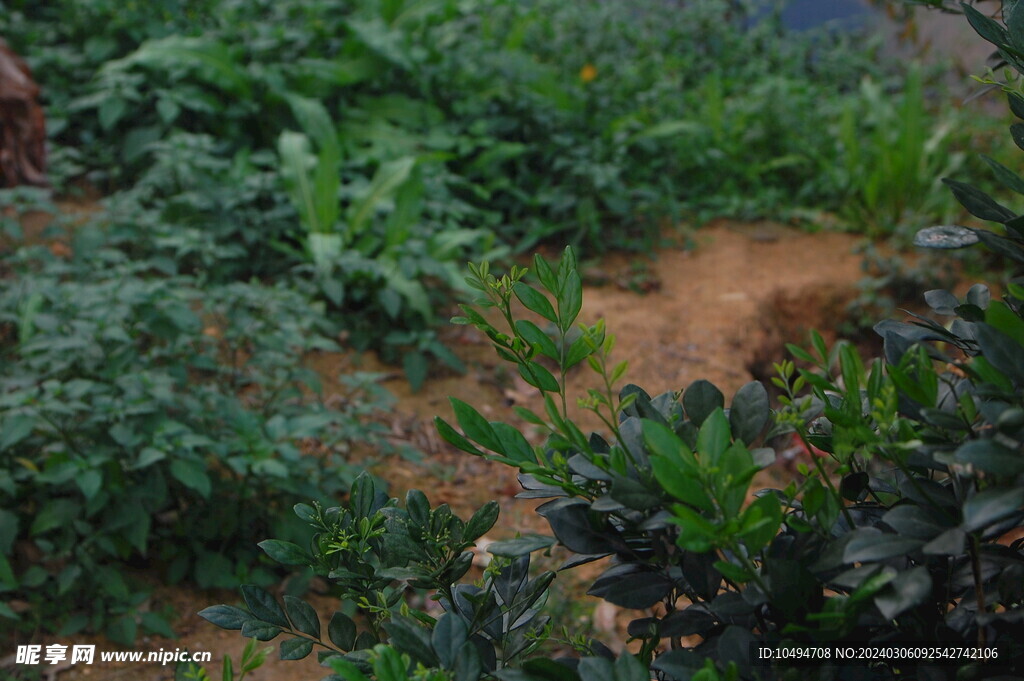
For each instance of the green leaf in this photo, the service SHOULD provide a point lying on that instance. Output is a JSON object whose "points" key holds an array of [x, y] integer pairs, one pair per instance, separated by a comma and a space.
{"points": [[285, 552], [16, 427], [695, 532], [700, 399], [388, 178], [449, 635], [1006, 177], [520, 546], [570, 300], [122, 630], [874, 546], [192, 474], [410, 639], [999, 316], [1001, 245], [991, 457], [482, 521], [295, 648], [342, 631], [416, 367], [714, 436], [514, 444], [988, 507], [303, 616], [539, 377], [907, 590], [263, 606], [978, 203], [345, 669], [53, 514], [631, 586], [760, 522], [89, 482], [629, 668], [673, 465], [468, 665], [225, 616], [454, 438], [475, 426], [259, 630], [155, 623], [535, 301], [732, 572], [1001, 351], [749, 412], [310, 198], [986, 27], [537, 338]]}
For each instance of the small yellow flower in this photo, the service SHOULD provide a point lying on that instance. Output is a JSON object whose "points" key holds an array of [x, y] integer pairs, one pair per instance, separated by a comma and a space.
{"points": [[588, 72]]}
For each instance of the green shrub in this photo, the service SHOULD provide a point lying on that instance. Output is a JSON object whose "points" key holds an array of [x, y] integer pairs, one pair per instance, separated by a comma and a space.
{"points": [[890, 533], [149, 420]]}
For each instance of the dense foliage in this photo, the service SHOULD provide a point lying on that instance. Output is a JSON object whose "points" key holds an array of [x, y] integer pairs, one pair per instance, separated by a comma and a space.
{"points": [[142, 418], [368, 148], [895, 528]]}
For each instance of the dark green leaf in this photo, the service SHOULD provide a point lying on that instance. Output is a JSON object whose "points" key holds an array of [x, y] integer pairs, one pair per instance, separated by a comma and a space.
{"points": [[285, 552], [991, 457], [700, 399], [474, 425], [1017, 133], [978, 203], [520, 546], [628, 668], [1001, 351], [468, 664], [192, 474], [410, 638], [295, 648], [539, 377], [988, 507], [514, 444], [454, 438], [597, 669], [908, 590], [449, 636], [1001, 245], [631, 586], [263, 606], [915, 522], [303, 616], [225, 616], [259, 630], [570, 521], [342, 631], [868, 546], [416, 367], [1006, 177], [482, 521], [749, 412]]}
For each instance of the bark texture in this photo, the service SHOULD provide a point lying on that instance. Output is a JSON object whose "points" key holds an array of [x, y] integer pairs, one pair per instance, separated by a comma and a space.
{"points": [[22, 126]]}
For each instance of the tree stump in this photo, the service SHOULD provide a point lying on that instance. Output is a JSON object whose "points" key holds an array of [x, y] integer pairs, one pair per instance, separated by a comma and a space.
{"points": [[22, 126]]}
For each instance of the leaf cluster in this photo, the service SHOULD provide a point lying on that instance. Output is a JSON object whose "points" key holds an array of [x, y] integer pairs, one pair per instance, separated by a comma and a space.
{"points": [[151, 420]]}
